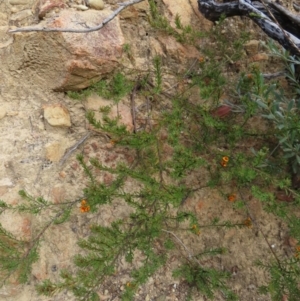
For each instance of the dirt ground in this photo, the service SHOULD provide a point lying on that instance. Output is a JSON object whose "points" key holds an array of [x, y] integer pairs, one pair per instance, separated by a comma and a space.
{"points": [[28, 162]]}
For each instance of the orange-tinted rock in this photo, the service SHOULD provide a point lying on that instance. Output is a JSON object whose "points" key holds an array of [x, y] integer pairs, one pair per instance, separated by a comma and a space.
{"points": [[65, 60], [259, 57], [45, 6]]}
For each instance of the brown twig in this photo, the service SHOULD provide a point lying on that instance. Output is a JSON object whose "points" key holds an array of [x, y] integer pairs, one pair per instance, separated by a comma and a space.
{"points": [[276, 22], [71, 149], [84, 30]]}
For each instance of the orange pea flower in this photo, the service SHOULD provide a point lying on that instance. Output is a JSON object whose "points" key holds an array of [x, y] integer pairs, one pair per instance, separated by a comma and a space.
{"points": [[231, 197], [225, 161], [297, 253], [112, 142], [247, 222], [84, 207], [249, 76], [196, 230]]}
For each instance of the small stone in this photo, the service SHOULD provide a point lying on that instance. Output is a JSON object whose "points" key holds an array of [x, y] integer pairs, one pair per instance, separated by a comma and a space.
{"points": [[57, 115], [252, 47], [79, 7], [3, 190], [259, 57], [3, 32], [2, 112], [6, 182], [161, 298], [19, 2], [3, 19], [74, 165], [56, 150], [26, 227], [87, 149], [95, 146], [62, 174], [96, 4], [58, 194], [292, 242]]}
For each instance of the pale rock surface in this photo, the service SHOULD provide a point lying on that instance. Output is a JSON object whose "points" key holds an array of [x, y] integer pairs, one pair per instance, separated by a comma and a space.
{"points": [[21, 15], [136, 10], [96, 4], [57, 115], [19, 2], [19, 225], [79, 6], [55, 150], [3, 19], [156, 47], [182, 8], [94, 102], [2, 112], [68, 61], [6, 182], [176, 50], [188, 12]]}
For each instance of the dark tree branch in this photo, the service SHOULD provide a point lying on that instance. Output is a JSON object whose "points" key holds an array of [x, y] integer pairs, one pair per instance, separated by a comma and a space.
{"points": [[276, 21]]}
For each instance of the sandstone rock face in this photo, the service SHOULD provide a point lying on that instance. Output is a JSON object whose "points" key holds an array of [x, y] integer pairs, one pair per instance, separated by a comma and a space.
{"points": [[187, 10], [69, 61], [176, 50]]}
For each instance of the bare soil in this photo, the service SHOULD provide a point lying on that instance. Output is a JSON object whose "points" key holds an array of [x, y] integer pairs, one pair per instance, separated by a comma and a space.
{"points": [[26, 143]]}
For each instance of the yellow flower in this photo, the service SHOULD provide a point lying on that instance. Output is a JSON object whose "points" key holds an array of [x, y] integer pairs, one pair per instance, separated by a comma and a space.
{"points": [[201, 59], [297, 253]]}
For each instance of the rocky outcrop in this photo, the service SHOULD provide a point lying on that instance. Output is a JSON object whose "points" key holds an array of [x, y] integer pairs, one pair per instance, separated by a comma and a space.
{"points": [[69, 61], [45, 6]]}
